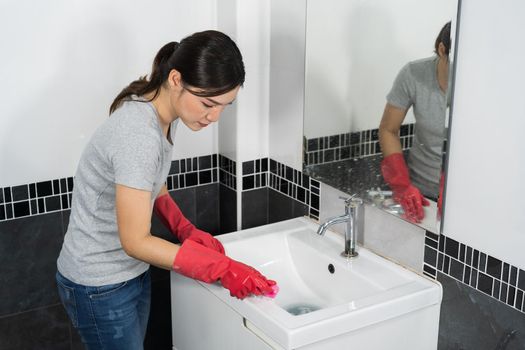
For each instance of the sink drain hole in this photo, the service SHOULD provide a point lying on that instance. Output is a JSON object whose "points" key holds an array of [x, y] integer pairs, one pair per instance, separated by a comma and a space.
{"points": [[301, 309]]}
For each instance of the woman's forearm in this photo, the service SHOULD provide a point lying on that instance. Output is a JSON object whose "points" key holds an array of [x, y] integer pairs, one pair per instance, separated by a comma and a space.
{"points": [[389, 130], [134, 222], [389, 142], [153, 250]]}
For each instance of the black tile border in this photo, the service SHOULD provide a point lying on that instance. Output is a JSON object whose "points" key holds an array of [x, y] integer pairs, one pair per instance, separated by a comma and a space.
{"points": [[357, 144], [481, 271], [266, 172], [55, 195], [192, 172], [44, 197], [255, 174], [227, 172], [35, 198]]}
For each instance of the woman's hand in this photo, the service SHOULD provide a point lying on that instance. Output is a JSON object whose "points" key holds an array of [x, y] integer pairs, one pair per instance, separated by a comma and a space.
{"points": [[171, 216], [196, 261]]}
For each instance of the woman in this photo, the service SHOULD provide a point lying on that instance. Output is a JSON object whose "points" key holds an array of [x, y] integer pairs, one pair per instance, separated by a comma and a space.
{"points": [[102, 277], [422, 85]]}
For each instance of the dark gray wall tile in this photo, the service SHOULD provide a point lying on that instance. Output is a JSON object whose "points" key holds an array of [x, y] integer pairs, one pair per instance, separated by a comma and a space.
{"points": [[185, 199], [281, 207], [299, 209], [65, 219], [207, 202], [42, 329], [254, 208], [472, 320], [227, 209], [199, 204], [28, 252], [158, 335]]}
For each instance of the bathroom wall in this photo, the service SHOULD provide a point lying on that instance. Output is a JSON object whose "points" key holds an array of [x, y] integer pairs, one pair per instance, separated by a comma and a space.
{"points": [[482, 290], [66, 62], [243, 131], [287, 45], [478, 258], [354, 50], [76, 57], [486, 171], [207, 179]]}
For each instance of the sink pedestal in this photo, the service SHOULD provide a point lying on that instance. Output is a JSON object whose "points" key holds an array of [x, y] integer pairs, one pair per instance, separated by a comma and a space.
{"points": [[325, 302], [200, 320]]}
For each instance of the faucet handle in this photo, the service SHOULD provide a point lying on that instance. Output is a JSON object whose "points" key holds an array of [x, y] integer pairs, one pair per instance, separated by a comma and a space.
{"points": [[347, 199], [352, 200]]}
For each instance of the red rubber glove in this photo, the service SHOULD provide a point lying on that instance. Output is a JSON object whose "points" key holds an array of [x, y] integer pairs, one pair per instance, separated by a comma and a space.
{"points": [[204, 264], [171, 216], [395, 173]]}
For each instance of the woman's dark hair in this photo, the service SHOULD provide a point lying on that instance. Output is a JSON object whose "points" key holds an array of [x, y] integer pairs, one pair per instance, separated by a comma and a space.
{"points": [[443, 37], [209, 61]]}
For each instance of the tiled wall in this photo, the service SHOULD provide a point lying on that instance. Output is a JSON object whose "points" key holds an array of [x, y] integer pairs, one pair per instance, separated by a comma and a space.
{"points": [[297, 186], [293, 184], [483, 297], [350, 145], [476, 269], [192, 172], [227, 172], [34, 218], [33, 221], [35, 198], [254, 174], [55, 195]]}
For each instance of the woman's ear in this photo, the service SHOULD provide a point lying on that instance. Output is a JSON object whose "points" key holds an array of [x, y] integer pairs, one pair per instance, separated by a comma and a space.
{"points": [[442, 51], [175, 79]]}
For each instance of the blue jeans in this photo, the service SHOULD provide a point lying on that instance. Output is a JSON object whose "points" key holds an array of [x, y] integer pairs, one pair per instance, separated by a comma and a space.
{"points": [[109, 317]]}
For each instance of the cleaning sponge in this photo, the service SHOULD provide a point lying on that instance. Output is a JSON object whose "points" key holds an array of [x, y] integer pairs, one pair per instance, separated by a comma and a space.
{"points": [[273, 293]]}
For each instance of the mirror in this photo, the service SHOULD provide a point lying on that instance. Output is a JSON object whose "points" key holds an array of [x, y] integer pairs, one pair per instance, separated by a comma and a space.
{"points": [[355, 51]]}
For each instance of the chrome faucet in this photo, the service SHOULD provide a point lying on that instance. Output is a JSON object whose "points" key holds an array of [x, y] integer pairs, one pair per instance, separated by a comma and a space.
{"points": [[354, 218]]}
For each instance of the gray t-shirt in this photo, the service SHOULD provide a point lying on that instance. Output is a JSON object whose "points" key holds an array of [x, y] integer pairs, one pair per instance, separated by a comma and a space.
{"points": [[417, 86], [127, 149]]}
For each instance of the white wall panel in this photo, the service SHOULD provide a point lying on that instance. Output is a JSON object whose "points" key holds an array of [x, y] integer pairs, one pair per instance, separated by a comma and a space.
{"points": [[62, 64], [486, 170], [288, 20], [253, 27], [354, 50]]}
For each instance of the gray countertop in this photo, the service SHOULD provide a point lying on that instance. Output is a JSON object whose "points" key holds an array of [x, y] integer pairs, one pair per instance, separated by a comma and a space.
{"points": [[351, 175]]}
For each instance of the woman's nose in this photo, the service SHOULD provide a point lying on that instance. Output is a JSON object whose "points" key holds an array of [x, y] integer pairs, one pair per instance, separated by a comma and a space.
{"points": [[214, 113]]}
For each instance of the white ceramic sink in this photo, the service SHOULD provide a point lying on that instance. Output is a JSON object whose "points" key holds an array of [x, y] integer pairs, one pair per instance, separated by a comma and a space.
{"points": [[322, 295]]}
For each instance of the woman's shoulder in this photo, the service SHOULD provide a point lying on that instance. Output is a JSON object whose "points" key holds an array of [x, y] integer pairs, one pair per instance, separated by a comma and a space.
{"points": [[134, 122], [421, 66], [135, 114]]}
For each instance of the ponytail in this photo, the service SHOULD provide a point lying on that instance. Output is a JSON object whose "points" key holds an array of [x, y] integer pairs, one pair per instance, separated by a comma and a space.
{"points": [[142, 86], [208, 61]]}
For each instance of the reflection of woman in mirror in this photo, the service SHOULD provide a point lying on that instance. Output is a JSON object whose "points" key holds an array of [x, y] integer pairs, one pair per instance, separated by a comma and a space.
{"points": [[422, 85]]}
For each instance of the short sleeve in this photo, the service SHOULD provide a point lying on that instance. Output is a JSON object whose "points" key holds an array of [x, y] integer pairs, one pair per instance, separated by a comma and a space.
{"points": [[135, 156], [402, 90]]}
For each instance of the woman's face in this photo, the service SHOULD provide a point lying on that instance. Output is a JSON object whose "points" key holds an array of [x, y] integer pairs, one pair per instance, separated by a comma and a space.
{"points": [[198, 112]]}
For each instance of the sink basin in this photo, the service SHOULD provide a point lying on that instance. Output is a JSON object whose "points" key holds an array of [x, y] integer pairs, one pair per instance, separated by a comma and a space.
{"points": [[323, 295]]}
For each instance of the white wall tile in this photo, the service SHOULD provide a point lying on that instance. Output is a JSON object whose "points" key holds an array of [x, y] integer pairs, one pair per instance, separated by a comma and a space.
{"points": [[63, 65]]}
